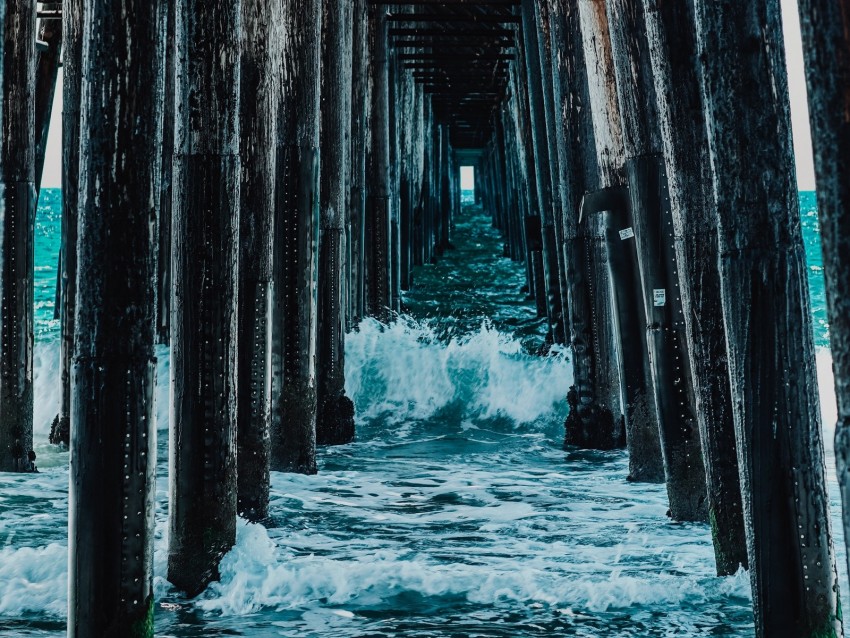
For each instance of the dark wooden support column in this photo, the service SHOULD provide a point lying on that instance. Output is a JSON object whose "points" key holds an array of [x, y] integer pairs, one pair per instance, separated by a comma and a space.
{"points": [[260, 91], [826, 37], [204, 310], [544, 42], [72, 56], [359, 145], [592, 149], [653, 227], [163, 280], [335, 420], [17, 180], [297, 231], [672, 54], [541, 165], [113, 443], [379, 207], [642, 434], [46, 73], [766, 308]]}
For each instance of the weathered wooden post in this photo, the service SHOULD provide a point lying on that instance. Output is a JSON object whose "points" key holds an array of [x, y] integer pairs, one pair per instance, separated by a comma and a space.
{"points": [[379, 206], [261, 88], [46, 73], [767, 316], [166, 198], [642, 433], [544, 42], [204, 306], [17, 180], [826, 37], [595, 416], [72, 55], [297, 232], [653, 229], [672, 53], [539, 152], [359, 143], [113, 439], [335, 417]]}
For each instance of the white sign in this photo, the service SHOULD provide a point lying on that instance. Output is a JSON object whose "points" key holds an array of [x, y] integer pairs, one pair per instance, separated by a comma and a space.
{"points": [[628, 233], [659, 296]]}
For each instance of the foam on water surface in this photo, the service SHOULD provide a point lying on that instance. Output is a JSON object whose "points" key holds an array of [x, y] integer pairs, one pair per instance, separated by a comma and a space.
{"points": [[454, 513]]}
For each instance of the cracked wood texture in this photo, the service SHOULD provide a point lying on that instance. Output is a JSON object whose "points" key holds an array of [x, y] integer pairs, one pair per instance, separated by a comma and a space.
{"points": [[826, 37], [113, 443], [766, 309]]}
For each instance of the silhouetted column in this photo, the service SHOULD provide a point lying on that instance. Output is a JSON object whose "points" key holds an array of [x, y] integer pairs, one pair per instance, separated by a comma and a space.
{"points": [[592, 149], [642, 434], [672, 53], [542, 165], [204, 309], [544, 43], [46, 73], [113, 442], [335, 420], [261, 88], [163, 280], [359, 143], [766, 308], [297, 233], [653, 225], [72, 56], [17, 175], [826, 37], [379, 223]]}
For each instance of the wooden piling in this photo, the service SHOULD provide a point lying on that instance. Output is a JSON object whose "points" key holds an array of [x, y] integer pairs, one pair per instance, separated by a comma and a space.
{"points": [[335, 416], [204, 310], [653, 227], [379, 205], [72, 55], [297, 233], [766, 309], [166, 198], [672, 54], [113, 439], [826, 43], [360, 116], [17, 182], [643, 439], [260, 91], [541, 162], [665, 335]]}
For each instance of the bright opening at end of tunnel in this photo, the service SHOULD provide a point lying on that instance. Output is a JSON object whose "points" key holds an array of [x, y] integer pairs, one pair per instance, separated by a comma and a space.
{"points": [[467, 183]]}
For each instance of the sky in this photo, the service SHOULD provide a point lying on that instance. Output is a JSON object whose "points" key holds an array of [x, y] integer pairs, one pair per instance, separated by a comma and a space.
{"points": [[796, 82]]}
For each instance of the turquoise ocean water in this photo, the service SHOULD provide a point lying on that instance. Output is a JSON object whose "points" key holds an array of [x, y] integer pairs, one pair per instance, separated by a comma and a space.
{"points": [[454, 514]]}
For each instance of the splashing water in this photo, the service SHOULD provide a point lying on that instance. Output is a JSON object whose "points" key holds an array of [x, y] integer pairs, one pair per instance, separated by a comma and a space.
{"points": [[455, 513]]}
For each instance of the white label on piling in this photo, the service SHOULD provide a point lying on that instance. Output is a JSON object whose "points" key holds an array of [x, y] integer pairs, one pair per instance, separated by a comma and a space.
{"points": [[659, 296], [627, 233]]}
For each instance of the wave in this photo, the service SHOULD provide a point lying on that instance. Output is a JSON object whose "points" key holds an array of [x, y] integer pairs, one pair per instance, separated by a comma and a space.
{"points": [[405, 371]]}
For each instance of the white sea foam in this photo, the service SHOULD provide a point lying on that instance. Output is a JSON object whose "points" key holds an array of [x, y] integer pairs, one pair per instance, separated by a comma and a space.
{"points": [[34, 580], [259, 574], [405, 371]]}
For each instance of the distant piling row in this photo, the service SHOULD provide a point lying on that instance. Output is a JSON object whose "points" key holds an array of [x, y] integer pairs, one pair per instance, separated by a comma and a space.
{"points": [[272, 174]]}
